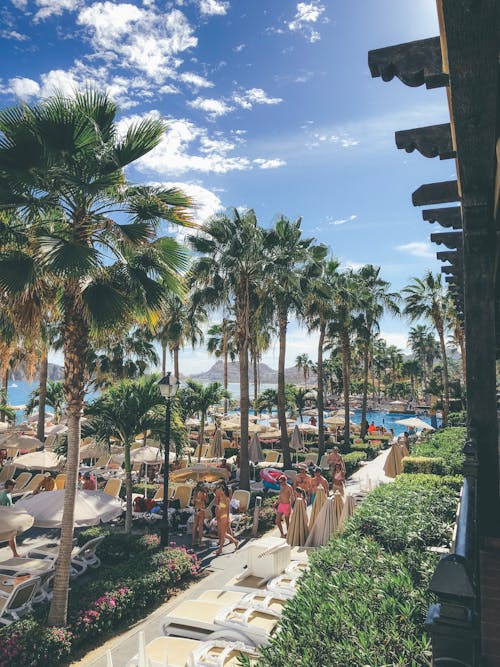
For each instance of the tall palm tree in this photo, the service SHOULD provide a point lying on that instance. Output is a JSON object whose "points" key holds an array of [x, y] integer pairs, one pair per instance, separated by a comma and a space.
{"points": [[200, 398], [457, 332], [62, 170], [426, 298], [302, 364], [425, 348], [318, 312], [291, 261], [220, 342], [54, 398], [122, 412], [230, 265], [375, 301]]}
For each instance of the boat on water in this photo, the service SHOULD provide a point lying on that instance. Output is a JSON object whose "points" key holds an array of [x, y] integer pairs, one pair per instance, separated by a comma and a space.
{"points": [[400, 408]]}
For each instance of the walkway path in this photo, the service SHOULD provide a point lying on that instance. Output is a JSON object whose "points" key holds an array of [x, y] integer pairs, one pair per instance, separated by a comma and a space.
{"points": [[221, 570]]}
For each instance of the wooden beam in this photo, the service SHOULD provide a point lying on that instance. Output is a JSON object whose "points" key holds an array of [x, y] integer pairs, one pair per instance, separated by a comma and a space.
{"points": [[448, 216], [451, 256], [445, 192], [430, 141], [451, 270], [452, 240], [414, 63]]}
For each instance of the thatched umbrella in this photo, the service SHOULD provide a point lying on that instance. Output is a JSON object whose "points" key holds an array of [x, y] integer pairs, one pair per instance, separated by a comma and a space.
{"points": [[255, 454], [319, 501], [338, 505], [393, 463], [348, 511], [298, 530], [39, 461], [325, 525], [217, 446]]}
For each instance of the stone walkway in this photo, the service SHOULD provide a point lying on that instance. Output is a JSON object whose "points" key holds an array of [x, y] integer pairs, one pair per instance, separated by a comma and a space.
{"points": [[220, 571]]}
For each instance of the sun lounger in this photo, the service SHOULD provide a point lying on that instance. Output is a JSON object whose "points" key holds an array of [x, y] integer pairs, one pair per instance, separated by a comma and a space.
{"points": [[182, 652], [323, 464], [220, 597], [194, 619], [16, 596], [251, 625], [81, 557], [22, 481], [243, 497], [217, 653], [60, 481], [183, 494], [297, 567], [171, 651], [31, 486], [285, 584], [113, 487], [33, 567], [6, 473]]}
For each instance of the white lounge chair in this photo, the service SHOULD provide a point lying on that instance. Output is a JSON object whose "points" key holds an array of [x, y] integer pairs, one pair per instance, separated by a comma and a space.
{"points": [[16, 597], [171, 651], [81, 558], [217, 653], [284, 585], [250, 625], [193, 619], [33, 567], [182, 652]]}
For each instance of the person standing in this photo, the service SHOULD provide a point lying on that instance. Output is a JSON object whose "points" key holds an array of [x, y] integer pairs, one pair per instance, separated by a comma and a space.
{"points": [[334, 459], [222, 501], [6, 501], [317, 481], [285, 502], [200, 505]]}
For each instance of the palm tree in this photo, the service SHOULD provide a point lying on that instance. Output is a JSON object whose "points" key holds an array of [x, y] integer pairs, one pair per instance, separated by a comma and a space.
{"points": [[123, 412], [457, 332], [302, 364], [318, 312], [291, 261], [426, 298], [301, 396], [231, 264], [221, 343], [61, 171], [375, 301], [200, 398], [425, 348], [54, 397], [411, 369], [267, 400]]}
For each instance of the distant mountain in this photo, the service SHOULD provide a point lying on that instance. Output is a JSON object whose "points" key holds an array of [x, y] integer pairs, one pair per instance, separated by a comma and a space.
{"points": [[56, 372], [267, 375]]}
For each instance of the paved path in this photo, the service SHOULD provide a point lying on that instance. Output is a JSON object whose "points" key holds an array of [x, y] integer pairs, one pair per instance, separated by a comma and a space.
{"points": [[220, 571]]}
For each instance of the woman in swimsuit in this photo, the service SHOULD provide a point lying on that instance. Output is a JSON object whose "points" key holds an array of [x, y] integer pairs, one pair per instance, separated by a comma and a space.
{"points": [[222, 500], [200, 505]]}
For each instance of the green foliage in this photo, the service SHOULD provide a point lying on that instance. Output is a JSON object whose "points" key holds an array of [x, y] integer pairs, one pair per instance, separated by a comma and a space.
{"points": [[89, 534], [457, 418], [364, 600], [446, 444], [151, 489], [26, 643], [370, 449], [427, 465], [352, 461], [55, 399]]}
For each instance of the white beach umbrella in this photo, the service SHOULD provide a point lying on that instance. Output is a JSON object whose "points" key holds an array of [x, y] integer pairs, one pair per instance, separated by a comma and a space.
{"points": [[415, 422], [192, 422], [91, 508], [25, 442], [255, 454], [13, 521], [56, 429], [39, 461], [307, 428]]}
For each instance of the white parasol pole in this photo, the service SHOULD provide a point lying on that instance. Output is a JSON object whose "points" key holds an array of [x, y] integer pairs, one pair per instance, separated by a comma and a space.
{"points": [[142, 650], [109, 659]]}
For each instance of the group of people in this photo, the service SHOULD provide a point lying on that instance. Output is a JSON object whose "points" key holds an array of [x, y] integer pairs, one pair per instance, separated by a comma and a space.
{"points": [[222, 505], [306, 484]]}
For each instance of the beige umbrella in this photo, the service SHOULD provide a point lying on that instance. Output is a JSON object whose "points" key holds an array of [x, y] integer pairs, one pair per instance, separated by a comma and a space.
{"points": [[91, 507], [192, 422], [25, 442], [13, 521], [56, 429], [337, 420], [325, 525], [199, 472], [298, 530], [338, 506], [39, 461], [393, 463], [270, 433], [319, 501], [92, 450], [415, 422], [307, 428], [217, 446], [348, 511], [255, 454], [310, 413]]}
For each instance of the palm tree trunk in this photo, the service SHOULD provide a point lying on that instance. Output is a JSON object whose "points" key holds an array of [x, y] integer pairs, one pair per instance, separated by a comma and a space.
{"points": [[128, 488], [202, 433], [284, 443], [5, 389], [446, 387], [243, 325], [176, 362], [42, 394], [163, 360], [346, 363], [320, 402], [366, 364], [225, 357], [75, 338], [255, 381]]}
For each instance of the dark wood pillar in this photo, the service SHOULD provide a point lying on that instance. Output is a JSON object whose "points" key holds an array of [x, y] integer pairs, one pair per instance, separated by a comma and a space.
{"points": [[479, 303]]}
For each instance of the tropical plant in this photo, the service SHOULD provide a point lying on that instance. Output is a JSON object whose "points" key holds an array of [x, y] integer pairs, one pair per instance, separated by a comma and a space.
{"points": [[302, 364], [292, 262], [54, 397], [425, 298], [221, 343], [61, 171], [200, 398], [267, 400], [122, 412], [230, 265]]}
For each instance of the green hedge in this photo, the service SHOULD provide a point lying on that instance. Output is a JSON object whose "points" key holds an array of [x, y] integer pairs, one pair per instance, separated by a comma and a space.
{"points": [[364, 600], [352, 461], [370, 450], [420, 464], [116, 594], [446, 444]]}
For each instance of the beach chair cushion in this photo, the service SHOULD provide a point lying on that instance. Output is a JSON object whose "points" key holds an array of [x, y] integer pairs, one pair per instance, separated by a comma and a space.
{"points": [[113, 487], [15, 599], [219, 653], [22, 481], [220, 597], [81, 557]]}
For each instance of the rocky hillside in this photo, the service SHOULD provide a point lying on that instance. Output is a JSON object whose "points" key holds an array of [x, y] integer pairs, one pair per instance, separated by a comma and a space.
{"points": [[267, 375]]}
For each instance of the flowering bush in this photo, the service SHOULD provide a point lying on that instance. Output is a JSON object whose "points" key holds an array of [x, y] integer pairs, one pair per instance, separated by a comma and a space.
{"points": [[27, 644]]}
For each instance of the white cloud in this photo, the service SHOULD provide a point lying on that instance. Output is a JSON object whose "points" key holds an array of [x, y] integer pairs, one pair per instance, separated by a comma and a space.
{"points": [[342, 221], [396, 338], [20, 4], [13, 34], [213, 7], [248, 98], [269, 164], [239, 48], [195, 80], [54, 8], [354, 266], [145, 39], [307, 15], [210, 106], [206, 202], [417, 249], [24, 88], [58, 80]]}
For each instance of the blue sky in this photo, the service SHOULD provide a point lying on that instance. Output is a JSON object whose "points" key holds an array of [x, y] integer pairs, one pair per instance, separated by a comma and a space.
{"points": [[270, 105]]}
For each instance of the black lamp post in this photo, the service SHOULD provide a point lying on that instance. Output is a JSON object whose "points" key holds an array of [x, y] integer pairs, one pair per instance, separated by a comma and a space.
{"points": [[168, 387]]}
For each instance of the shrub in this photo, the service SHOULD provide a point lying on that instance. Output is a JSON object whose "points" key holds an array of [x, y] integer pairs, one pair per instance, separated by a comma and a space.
{"points": [[370, 449], [89, 534], [28, 644], [352, 461], [421, 464], [457, 418], [446, 444], [151, 489]]}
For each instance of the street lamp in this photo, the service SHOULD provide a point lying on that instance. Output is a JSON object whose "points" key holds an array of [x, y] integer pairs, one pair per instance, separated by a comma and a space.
{"points": [[168, 388]]}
